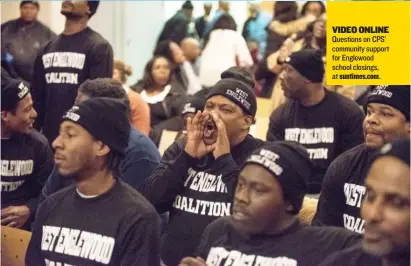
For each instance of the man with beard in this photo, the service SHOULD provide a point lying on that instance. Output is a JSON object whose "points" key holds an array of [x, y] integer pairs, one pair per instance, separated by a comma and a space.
{"points": [[26, 157], [79, 53], [196, 178], [264, 228], [343, 191], [326, 123], [386, 212]]}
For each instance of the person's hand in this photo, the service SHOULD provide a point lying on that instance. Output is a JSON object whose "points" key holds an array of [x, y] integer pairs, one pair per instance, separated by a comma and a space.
{"points": [[223, 144], [15, 216], [286, 50], [189, 261], [195, 145]]}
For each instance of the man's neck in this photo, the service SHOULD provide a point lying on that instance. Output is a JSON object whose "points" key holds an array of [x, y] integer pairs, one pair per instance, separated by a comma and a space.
{"points": [[398, 258], [238, 140], [74, 26], [284, 225], [316, 95], [94, 184]]}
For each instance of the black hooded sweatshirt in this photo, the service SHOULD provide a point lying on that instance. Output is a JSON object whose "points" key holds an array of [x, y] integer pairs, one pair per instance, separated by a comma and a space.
{"points": [[195, 192]]}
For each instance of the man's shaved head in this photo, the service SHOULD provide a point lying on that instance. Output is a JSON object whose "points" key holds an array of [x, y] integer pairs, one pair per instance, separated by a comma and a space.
{"points": [[191, 48]]}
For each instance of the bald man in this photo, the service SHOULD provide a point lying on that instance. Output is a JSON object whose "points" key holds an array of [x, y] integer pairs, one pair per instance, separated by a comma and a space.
{"points": [[191, 49]]}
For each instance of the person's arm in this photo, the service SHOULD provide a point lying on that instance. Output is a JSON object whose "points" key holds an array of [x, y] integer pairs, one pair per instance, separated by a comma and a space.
{"points": [[38, 91], [141, 246], [276, 128], [167, 181], [229, 171], [139, 113], [136, 172], [291, 27], [53, 184], [101, 61], [50, 34], [242, 52], [331, 204], [352, 132], [175, 122], [43, 169]]}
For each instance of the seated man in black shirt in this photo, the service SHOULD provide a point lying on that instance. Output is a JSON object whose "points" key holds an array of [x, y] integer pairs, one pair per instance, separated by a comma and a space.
{"points": [[264, 228], [386, 212], [325, 122], [100, 220], [388, 118], [197, 174], [26, 157]]}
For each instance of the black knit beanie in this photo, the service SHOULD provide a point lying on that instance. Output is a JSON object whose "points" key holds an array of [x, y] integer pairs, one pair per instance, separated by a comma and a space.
{"points": [[106, 119], [309, 63], [397, 96], [36, 3], [93, 5], [193, 105], [12, 94], [188, 5], [237, 85], [399, 149], [290, 164]]}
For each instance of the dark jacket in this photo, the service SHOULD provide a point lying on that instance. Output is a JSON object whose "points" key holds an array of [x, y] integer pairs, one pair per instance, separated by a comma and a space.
{"points": [[167, 115], [200, 25], [175, 29], [22, 44]]}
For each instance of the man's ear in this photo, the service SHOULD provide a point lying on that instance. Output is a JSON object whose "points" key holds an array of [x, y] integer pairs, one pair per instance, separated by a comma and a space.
{"points": [[289, 208], [102, 149], [88, 12], [5, 116], [248, 122], [408, 127]]}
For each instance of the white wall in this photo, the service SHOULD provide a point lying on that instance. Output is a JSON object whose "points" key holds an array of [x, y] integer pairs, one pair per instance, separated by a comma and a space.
{"points": [[132, 27]]}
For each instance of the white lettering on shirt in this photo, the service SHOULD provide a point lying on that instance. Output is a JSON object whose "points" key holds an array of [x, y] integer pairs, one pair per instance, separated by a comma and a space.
{"points": [[202, 207], [219, 256], [73, 242], [64, 59]]}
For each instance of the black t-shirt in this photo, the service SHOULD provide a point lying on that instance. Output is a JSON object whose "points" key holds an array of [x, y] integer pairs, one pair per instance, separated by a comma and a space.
{"points": [[326, 129], [196, 192], [300, 245], [343, 190], [61, 66], [355, 256], [119, 227], [26, 162]]}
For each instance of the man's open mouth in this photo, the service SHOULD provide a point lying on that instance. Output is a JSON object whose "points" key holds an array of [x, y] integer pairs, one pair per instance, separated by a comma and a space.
{"points": [[209, 129]]}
